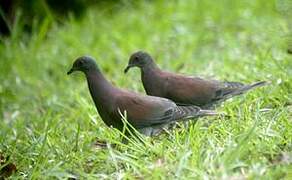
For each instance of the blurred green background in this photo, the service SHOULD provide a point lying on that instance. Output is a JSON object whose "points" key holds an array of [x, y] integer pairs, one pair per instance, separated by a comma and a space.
{"points": [[49, 124]]}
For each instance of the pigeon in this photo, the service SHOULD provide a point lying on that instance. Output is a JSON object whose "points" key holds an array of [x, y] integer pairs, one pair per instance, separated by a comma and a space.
{"points": [[184, 90], [149, 115]]}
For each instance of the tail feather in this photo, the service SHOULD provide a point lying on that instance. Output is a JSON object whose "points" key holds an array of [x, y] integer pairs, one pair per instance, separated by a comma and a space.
{"points": [[234, 89], [246, 88], [230, 90], [187, 112], [233, 85], [258, 84], [208, 113]]}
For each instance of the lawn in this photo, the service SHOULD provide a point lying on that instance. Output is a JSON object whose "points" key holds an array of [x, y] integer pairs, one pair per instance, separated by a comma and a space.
{"points": [[49, 124]]}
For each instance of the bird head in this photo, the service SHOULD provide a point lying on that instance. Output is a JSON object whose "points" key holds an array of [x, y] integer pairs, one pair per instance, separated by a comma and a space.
{"points": [[84, 64], [138, 59]]}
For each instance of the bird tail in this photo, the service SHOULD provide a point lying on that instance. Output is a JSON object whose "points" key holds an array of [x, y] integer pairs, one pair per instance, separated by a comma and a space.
{"points": [[187, 112], [233, 85], [245, 88], [232, 89]]}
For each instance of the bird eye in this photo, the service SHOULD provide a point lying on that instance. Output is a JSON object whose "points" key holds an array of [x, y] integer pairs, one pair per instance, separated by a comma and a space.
{"points": [[136, 58], [81, 63]]}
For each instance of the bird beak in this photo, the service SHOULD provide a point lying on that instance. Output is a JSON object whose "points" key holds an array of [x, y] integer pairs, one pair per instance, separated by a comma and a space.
{"points": [[127, 68], [69, 72]]}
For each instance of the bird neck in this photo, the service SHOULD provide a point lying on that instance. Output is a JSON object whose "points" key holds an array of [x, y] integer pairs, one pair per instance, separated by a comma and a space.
{"points": [[100, 89], [150, 68], [150, 76]]}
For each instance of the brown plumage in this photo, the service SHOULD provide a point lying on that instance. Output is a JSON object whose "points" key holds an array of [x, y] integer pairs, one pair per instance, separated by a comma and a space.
{"points": [[184, 90], [148, 114]]}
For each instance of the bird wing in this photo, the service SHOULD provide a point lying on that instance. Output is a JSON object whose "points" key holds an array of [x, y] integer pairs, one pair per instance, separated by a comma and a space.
{"points": [[185, 90], [145, 111], [226, 88], [190, 90]]}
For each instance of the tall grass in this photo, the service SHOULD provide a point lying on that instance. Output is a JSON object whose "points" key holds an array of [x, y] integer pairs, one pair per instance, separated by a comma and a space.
{"points": [[49, 123]]}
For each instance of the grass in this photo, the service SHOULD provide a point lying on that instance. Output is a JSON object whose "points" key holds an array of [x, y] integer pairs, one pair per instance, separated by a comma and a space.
{"points": [[49, 123]]}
